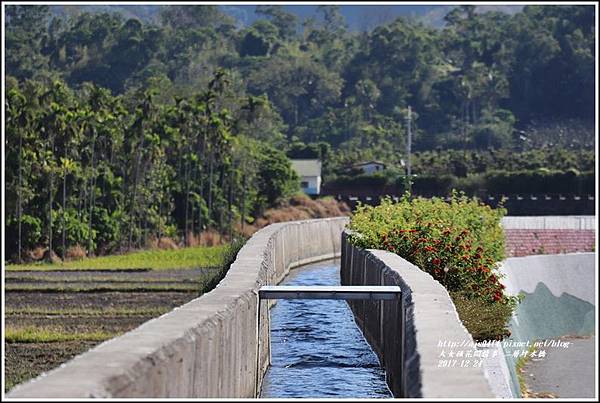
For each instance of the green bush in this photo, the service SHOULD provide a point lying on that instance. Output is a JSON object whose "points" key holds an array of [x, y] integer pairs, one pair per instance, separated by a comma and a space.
{"points": [[458, 242], [31, 229], [276, 177]]}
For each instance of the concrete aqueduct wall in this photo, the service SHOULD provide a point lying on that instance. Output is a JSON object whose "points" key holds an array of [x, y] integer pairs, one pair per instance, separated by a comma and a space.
{"points": [[207, 347], [410, 353]]}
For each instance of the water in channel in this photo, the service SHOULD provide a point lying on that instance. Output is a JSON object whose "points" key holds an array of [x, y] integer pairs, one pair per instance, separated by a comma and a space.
{"points": [[316, 348]]}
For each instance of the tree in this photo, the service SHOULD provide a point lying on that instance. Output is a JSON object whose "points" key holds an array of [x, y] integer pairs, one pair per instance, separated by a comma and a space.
{"points": [[285, 22], [259, 39], [24, 35]]}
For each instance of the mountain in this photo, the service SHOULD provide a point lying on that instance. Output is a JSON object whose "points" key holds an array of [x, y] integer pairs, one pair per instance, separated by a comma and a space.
{"points": [[358, 18]]}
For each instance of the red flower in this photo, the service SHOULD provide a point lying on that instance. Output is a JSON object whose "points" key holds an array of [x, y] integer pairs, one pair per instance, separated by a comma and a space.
{"points": [[436, 261], [497, 296]]}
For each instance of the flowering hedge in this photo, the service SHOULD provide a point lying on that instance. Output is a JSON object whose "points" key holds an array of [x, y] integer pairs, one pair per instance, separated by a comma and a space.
{"points": [[458, 242]]}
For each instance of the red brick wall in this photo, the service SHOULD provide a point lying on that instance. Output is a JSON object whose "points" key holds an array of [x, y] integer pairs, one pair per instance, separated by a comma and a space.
{"points": [[523, 242]]}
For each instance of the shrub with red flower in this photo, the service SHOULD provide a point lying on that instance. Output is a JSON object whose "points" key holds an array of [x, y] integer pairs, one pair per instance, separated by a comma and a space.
{"points": [[458, 243]]}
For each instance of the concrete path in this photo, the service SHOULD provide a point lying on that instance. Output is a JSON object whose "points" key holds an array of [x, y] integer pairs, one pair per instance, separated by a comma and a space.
{"points": [[564, 372]]}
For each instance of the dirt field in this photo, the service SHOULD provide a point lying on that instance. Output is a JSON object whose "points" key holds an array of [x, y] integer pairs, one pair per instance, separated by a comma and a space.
{"points": [[52, 316]]}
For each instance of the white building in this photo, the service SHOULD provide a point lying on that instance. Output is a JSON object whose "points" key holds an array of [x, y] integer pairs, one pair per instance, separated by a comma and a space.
{"points": [[309, 172], [370, 167]]}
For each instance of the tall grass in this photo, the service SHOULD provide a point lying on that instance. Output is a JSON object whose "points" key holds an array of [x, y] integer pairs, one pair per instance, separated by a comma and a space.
{"points": [[228, 258]]}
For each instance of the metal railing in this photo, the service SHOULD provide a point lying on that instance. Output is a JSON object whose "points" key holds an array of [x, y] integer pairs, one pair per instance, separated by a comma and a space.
{"points": [[371, 293]]}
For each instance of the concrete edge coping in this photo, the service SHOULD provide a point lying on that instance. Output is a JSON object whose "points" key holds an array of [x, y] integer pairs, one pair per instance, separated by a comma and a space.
{"points": [[134, 348], [435, 320]]}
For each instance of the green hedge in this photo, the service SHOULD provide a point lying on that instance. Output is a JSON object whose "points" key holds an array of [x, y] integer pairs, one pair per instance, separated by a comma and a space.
{"points": [[540, 181], [365, 180]]}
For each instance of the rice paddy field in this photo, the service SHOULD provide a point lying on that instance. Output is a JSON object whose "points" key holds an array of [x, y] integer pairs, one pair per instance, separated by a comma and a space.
{"points": [[54, 312]]}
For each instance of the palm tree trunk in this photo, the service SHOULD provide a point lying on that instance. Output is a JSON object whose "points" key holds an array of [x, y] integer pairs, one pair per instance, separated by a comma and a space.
{"points": [[50, 201], [92, 194], [19, 197], [135, 183], [64, 206]]}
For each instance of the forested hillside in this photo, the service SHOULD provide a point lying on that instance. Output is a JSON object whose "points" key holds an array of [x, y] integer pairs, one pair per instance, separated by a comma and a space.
{"points": [[117, 129]]}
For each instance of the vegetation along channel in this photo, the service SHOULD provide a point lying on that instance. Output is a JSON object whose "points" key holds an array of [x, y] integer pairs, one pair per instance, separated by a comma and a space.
{"points": [[316, 348]]}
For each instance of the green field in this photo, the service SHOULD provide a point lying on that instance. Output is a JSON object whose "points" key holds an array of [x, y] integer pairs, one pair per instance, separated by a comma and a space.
{"points": [[39, 335], [186, 258]]}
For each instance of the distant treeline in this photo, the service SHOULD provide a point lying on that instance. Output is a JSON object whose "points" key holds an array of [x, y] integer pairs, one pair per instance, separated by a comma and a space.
{"points": [[470, 84], [84, 167], [119, 130]]}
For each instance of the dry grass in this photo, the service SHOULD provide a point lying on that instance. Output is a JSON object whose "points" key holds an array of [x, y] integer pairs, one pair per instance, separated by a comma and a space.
{"points": [[75, 253], [167, 243], [209, 237], [34, 254], [298, 207]]}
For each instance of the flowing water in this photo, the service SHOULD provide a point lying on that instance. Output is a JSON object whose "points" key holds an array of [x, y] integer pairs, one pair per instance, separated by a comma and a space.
{"points": [[316, 348]]}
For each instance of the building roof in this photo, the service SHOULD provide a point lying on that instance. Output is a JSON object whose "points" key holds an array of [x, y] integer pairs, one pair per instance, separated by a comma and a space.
{"points": [[360, 164], [307, 167]]}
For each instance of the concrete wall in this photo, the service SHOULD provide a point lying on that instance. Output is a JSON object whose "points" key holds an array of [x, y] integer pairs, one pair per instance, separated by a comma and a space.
{"points": [[411, 354], [559, 299], [583, 222], [205, 348]]}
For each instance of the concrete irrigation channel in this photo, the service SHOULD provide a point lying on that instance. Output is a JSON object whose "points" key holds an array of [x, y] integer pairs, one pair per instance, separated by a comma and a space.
{"points": [[218, 344], [317, 350]]}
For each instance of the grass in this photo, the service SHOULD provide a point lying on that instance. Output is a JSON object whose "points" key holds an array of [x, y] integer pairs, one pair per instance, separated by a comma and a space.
{"points": [[155, 259], [41, 335], [105, 288], [483, 320], [519, 368], [87, 312], [228, 257]]}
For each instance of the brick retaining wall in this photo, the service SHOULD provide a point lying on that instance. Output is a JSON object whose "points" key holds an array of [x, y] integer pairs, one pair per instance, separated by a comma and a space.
{"points": [[524, 242]]}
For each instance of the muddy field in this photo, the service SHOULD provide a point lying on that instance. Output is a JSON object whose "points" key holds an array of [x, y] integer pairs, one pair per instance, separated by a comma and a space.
{"points": [[27, 360], [56, 315]]}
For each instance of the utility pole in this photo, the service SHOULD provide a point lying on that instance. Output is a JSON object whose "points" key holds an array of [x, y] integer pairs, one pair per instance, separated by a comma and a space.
{"points": [[408, 150]]}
